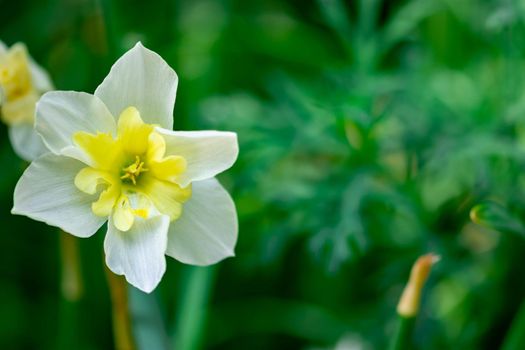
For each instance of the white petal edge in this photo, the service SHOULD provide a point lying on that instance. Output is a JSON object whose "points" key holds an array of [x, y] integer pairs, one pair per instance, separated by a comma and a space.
{"points": [[46, 192], [138, 254], [141, 78], [26, 143], [207, 153], [41, 80], [206, 232], [60, 114]]}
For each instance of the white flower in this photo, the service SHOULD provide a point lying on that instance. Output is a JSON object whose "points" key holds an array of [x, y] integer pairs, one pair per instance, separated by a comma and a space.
{"points": [[22, 82], [115, 158]]}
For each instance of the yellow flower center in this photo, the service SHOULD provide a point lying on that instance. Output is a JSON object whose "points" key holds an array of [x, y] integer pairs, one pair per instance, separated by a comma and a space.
{"points": [[17, 87], [131, 173]]}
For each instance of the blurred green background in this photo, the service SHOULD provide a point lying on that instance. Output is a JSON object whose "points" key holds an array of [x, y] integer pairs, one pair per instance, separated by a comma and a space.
{"points": [[368, 131]]}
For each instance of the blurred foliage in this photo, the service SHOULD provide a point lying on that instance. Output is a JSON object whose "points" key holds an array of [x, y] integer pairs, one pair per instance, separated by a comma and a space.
{"points": [[368, 131]]}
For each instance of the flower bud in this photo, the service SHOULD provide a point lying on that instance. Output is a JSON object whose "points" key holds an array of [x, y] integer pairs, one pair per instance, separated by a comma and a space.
{"points": [[495, 216], [410, 300]]}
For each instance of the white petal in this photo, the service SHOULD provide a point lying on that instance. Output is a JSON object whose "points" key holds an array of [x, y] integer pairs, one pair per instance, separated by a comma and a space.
{"points": [[26, 142], [60, 114], [207, 153], [46, 192], [206, 232], [141, 78], [3, 47], [41, 80], [138, 253]]}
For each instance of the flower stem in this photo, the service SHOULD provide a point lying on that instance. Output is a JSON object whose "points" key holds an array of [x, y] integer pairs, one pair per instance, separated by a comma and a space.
{"points": [[71, 282], [192, 307], [121, 317], [515, 338], [402, 339], [71, 289]]}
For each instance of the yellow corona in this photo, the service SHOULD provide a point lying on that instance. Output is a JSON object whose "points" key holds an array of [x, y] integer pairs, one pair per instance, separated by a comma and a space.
{"points": [[133, 170]]}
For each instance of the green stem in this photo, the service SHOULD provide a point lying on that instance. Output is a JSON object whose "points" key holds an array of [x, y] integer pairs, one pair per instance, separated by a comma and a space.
{"points": [[121, 317], [69, 336], [192, 306], [71, 281], [515, 338], [402, 339], [71, 288], [368, 15], [110, 18]]}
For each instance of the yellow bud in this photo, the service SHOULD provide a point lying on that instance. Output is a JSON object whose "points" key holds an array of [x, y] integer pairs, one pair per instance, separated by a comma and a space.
{"points": [[410, 300]]}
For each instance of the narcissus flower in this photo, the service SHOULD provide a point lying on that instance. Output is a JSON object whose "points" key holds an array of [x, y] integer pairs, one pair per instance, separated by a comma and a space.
{"points": [[115, 158], [22, 82]]}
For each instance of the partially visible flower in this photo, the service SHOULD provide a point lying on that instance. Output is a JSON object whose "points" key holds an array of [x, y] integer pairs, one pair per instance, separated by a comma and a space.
{"points": [[115, 158], [22, 82]]}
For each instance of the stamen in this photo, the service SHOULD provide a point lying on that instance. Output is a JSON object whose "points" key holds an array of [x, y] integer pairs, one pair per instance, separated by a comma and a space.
{"points": [[142, 212], [133, 171]]}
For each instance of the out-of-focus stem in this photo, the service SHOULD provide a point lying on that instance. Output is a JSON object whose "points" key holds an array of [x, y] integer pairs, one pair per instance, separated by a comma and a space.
{"points": [[94, 29], [71, 288], [401, 339], [197, 283], [368, 14], [121, 317], [515, 338], [410, 301], [71, 283]]}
